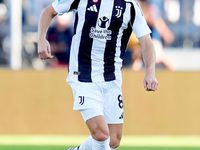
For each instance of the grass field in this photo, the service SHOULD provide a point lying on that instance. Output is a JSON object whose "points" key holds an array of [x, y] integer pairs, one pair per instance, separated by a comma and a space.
{"points": [[33, 147], [63, 142]]}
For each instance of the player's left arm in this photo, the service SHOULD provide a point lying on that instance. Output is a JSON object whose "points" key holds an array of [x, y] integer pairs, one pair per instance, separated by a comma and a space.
{"points": [[149, 57]]}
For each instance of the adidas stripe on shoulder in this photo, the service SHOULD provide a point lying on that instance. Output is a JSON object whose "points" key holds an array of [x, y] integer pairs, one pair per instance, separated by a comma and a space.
{"points": [[93, 8]]}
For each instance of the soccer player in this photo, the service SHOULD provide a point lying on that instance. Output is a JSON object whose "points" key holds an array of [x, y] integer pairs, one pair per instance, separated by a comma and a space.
{"points": [[101, 32]]}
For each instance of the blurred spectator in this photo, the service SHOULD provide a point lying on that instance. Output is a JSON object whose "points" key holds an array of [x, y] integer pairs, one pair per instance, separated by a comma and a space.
{"points": [[160, 33], [32, 10], [60, 36], [182, 16], [3, 12], [187, 11], [136, 56], [3, 60], [3, 18]]}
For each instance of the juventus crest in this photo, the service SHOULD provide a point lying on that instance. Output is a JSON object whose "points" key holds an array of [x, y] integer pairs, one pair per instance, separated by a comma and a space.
{"points": [[119, 11]]}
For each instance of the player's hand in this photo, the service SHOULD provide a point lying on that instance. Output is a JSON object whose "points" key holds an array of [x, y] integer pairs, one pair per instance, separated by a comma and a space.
{"points": [[44, 49], [150, 82]]}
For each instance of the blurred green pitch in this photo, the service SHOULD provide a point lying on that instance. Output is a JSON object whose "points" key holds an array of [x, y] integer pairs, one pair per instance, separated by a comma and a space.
{"points": [[62, 142]]}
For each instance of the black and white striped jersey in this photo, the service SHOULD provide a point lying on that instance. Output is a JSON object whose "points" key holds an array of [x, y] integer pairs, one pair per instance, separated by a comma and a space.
{"points": [[102, 31]]}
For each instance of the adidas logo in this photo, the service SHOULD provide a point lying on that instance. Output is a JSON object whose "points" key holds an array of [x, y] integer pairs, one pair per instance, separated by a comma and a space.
{"points": [[93, 8], [122, 116]]}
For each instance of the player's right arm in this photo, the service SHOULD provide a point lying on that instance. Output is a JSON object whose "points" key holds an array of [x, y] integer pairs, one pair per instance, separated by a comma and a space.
{"points": [[44, 50]]}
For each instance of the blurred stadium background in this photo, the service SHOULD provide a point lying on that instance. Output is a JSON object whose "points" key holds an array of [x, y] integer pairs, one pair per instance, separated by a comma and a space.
{"points": [[36, 100]]}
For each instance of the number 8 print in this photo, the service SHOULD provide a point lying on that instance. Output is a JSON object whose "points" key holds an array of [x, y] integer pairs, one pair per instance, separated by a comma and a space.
{"points": [[120, 99]]}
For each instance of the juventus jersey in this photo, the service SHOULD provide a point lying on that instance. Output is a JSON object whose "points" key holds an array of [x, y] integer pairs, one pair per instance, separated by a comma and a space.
{"points": [[102, 31]]}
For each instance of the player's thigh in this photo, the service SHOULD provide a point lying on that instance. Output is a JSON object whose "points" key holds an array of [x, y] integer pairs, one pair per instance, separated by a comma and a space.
{"points": [[113, 103]]}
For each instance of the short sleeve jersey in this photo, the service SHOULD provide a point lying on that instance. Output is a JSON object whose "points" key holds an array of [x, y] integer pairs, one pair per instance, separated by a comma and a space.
{"points": [[102, 30]]}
